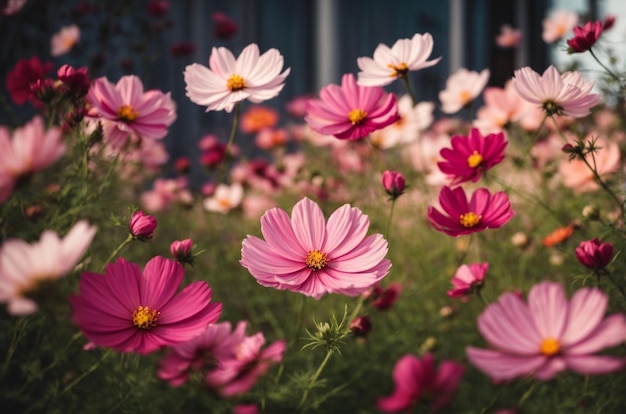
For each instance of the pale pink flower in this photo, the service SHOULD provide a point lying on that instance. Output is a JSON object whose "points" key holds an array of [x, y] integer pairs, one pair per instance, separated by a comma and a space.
{"points": [[125, 109], [12, 7], [64, 40], [549, 334], [225, 198], [414, 120], [462, 87], [392, 63], [468, 279], [228, 81], [24, 266], [558, 24], [165, 192], [508, 37], [576, 175], [306, 254], [254, 205]]}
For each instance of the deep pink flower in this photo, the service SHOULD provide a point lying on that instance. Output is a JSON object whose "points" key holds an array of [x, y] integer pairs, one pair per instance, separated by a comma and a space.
{"points": [[225, 27], [202, 353], [131, 311], [417, 380], [609, 22], [142, 225], [393, 183], [548, 335], [483, 211], [585, 37], [246, 409], [308, 255], [158, 8], [25, 73], [360, 325], [471, 155], [383, 298], [593, 254], [181, 250], [24, 266], [467, 279], [237, 374], [76, 80], [351, 111], [182, 49], [125, 109]]}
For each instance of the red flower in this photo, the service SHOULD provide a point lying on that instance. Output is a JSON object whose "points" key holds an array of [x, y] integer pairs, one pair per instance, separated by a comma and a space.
{"points": [[585, 37], [76, 80], [26, 73]]}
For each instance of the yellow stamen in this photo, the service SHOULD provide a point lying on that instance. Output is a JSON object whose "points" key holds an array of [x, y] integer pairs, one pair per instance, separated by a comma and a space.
{"points": [[465, 96], [474, 160], [356, 116], [316, 259], [235, 83], [144, 318], [127, 113], [549, 347], [470, 219], [398, 70]]}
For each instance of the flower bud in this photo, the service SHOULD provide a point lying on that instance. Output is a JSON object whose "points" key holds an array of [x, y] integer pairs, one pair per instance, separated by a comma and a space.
{"points": [[360, 325], [142, 225], [394, 183], [181, 250], [591, 212], [594, 254]]}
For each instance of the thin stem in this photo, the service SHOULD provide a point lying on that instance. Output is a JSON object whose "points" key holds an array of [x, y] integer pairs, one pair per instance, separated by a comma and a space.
{"points": [[409, 88], [231, 139], [314, 379], [388, 230], [86, 373], [481, 297], [600, 181], [129, 239], [609, 71], [534, 137]]}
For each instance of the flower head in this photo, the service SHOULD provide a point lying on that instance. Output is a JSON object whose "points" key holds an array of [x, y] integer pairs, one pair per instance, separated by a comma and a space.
{"points": [[508, 37], [225, 27], [483, 211], [228, 81], [351, 111], [25, 74], [383, 298], [24, 266], [393, 183], [257, 118], [585, 37], [125, 109], [392, 63], [558, 24], [549, 334], [416, 379], [462, 87], [594, 254], [181, 250], [63, 41], [472, 155], [557, 94], [225, 198], [306, 254], [133, 311], [467, 279], [142, 225], [77, 81]]}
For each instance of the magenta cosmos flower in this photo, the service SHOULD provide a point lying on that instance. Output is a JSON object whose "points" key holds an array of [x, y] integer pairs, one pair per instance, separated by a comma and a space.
{"points": [[129, 310], [392, 63], [594, 254], [228, 81], [308, 255], [417, 380], [467, 279], [471, 155], [351, 111], [142, 225], [24, 266], [125, 109], [585, 37], [557, 94], [483, 211], [549, 334]]}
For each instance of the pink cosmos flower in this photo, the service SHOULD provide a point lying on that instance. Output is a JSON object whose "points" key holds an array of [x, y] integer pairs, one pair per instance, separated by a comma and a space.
{"points": [[472, 155], [228, 81], [508, 37], [417, 380], [25, 74], [63, 41], [413, 121], [383, 298], [351, 111], [237, 374], [225, 27], [561, 94], [125, 109], [576, 175], [181, 250], [558, 24], [593, 254], [467, 279], [24, 266], [165, 192], [133, 311], [462, 87], [393, 183], [483, 211], [549, 334], [392, 63], [585, 37], [142, 225], [314, 257], [225, 198]]}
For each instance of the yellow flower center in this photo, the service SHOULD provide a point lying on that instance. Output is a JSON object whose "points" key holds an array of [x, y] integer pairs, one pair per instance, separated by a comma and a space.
{"points": [[316, 259], [474, 160], [470, 219], [552, 108], [127, 113], [144, 318], [549, 347], [398, 70], [356, 116], [465, 96], [235, 83]]}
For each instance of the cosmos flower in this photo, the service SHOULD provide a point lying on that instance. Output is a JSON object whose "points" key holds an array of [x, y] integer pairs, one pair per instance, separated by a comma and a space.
{"points": [[467, 279], [558, 24], [561, 94], [549, 334], [25, 74], [585, 37], [413, 121], [142, 225], [508, 37], [594, 254], [576, 175], [133, 311], [225, 198], [24, 266], [462, 87], [228, 81], [63, 41], [392, 63], [306, 254], [483, 211], [351, 111]]}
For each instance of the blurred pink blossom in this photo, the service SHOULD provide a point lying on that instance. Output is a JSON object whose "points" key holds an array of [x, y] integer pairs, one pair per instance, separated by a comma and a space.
{"points": [[558, 24], [508, 37], [462, 87], [576, 175], [225, 198], [64, 40], [467, 279]]}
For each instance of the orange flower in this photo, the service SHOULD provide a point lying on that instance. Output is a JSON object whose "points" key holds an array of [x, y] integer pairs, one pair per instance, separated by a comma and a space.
{"points": [[258, 118], [559, 235]]}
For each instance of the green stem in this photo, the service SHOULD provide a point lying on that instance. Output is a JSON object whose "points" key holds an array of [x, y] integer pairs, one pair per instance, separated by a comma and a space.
{"points": [[600, 181], [609, 71], [314, 379], [129, 239], [409, 88], [388, 230], [481, 297], [527, 394], [86, 373], [231, 139]]}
